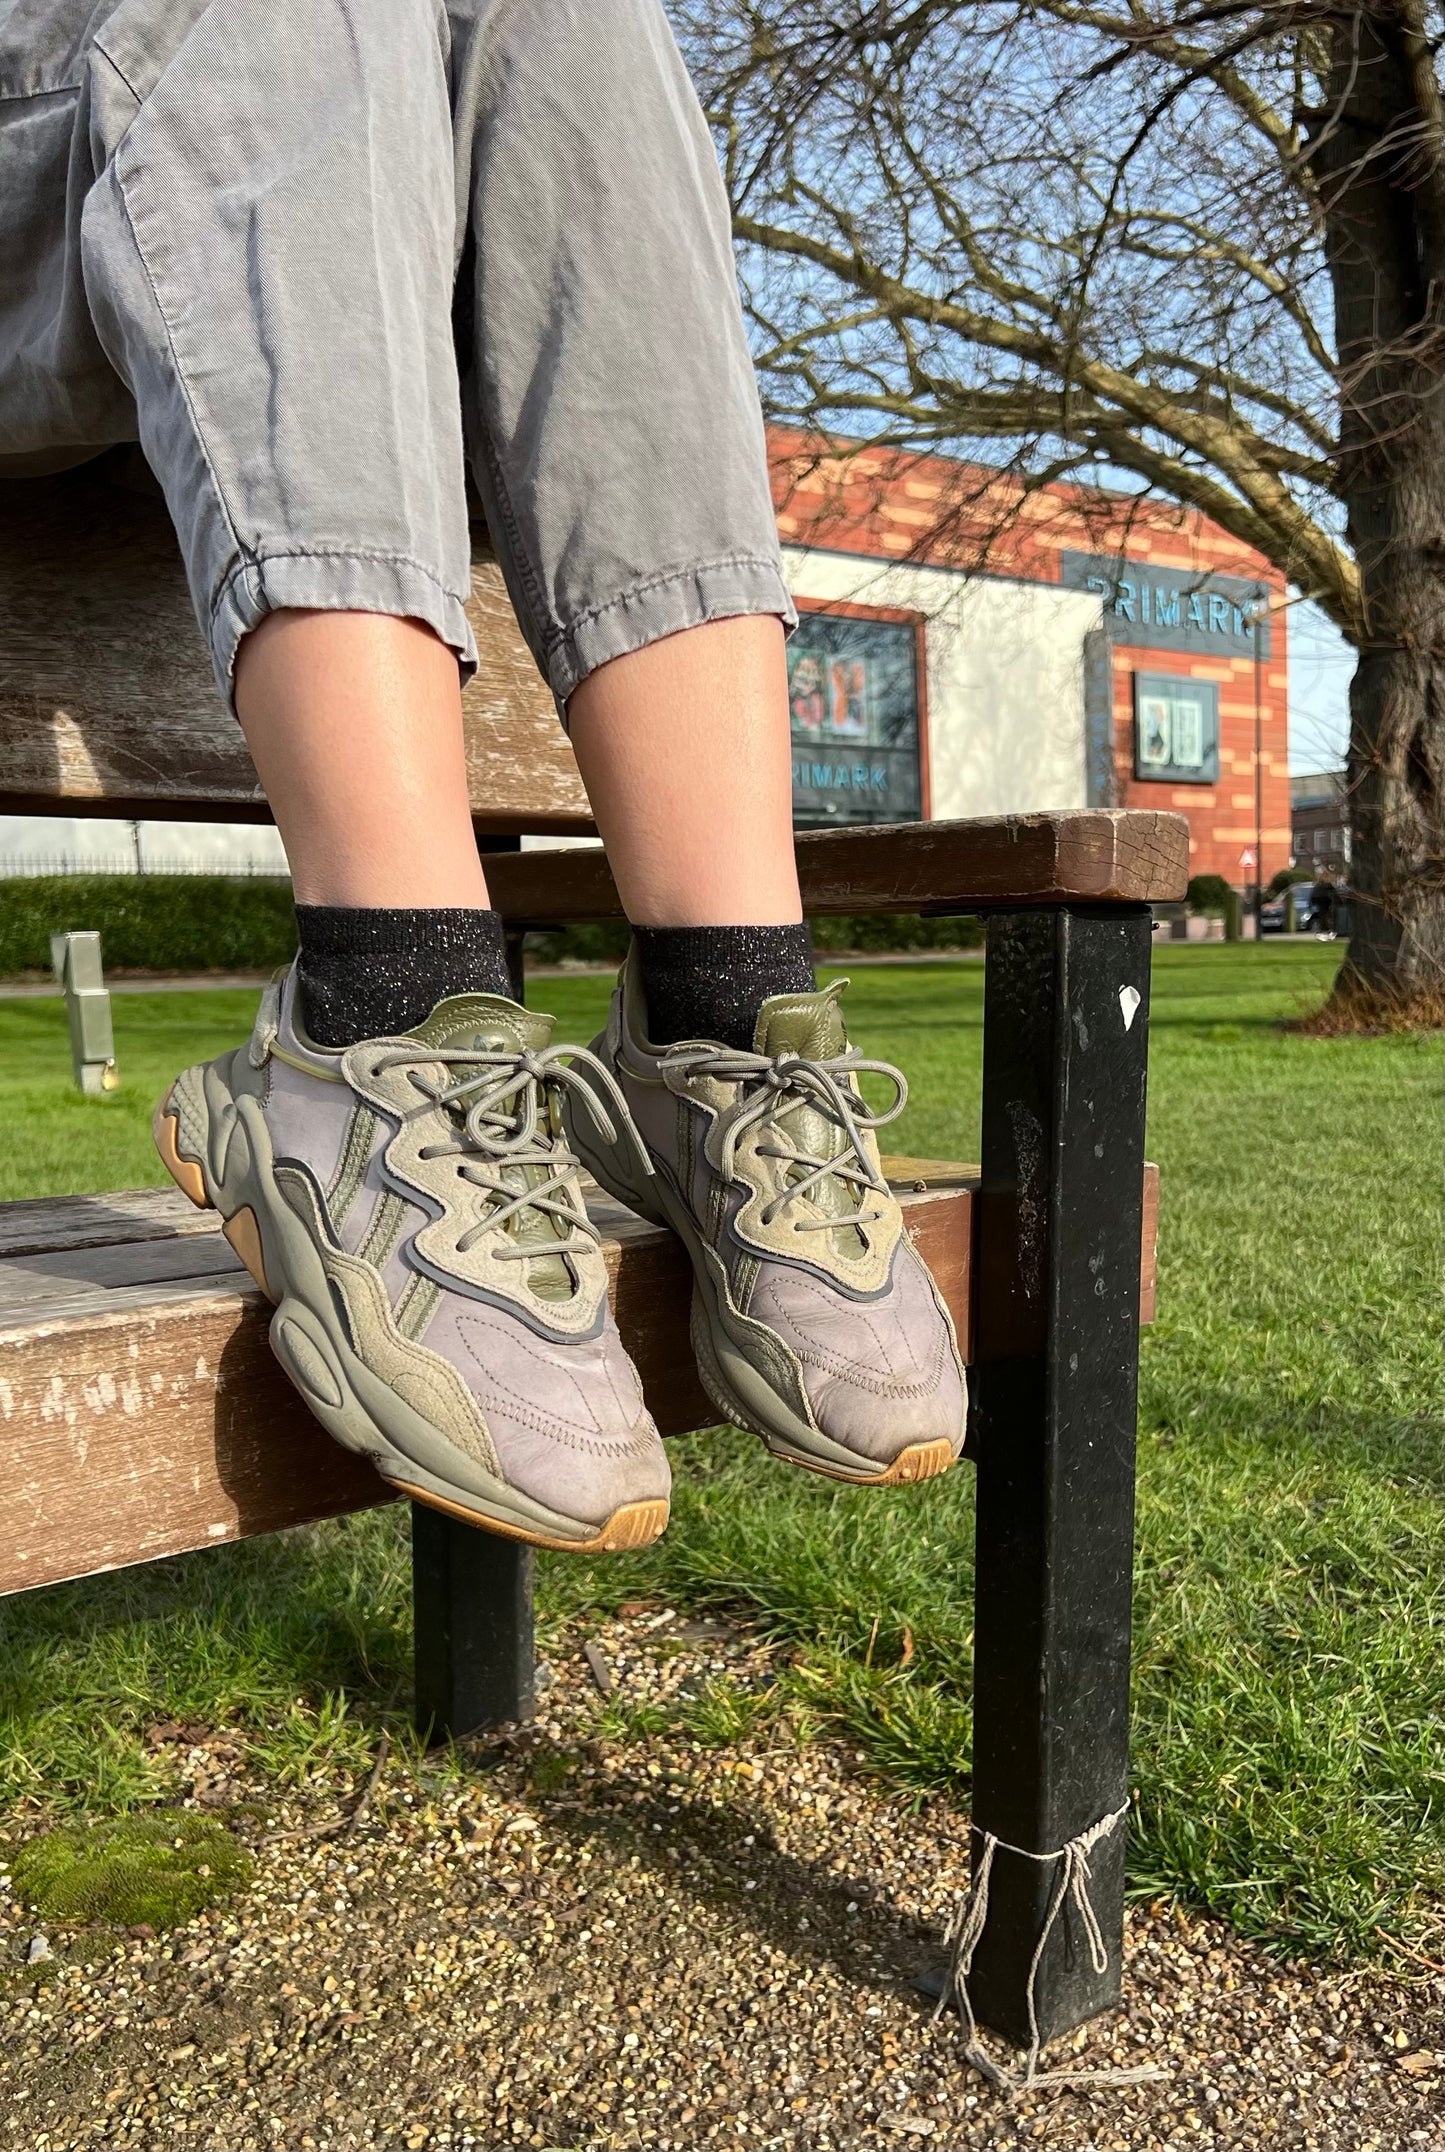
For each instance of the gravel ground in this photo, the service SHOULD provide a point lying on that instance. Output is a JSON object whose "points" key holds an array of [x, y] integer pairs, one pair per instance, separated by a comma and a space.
{"points": [[590, 1937]]}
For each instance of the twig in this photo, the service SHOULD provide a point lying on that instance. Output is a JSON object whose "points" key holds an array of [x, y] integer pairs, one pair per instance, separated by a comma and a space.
{"points": [[358, 1814], [350, 1823], [597, 1665], [1393, 1942]]}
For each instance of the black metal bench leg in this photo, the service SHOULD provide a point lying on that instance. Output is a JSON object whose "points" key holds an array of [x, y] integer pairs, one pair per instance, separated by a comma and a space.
{"points": [[472, 1608], [472, 1598], [1056, 1352]]}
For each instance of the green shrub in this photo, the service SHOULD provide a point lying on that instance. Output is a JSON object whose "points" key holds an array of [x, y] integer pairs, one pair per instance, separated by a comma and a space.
{"points": [[601, 941], [880, 931], [153, 1869], [1288, 877], [150, 922], [1216, 898], [1210, 894]]}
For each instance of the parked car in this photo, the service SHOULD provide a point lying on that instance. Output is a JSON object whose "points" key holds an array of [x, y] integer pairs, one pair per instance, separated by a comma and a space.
{"points": [[1291, 912]]}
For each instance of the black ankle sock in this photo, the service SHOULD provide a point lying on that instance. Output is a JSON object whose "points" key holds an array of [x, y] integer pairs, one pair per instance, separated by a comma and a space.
{"points": [[366, 974], [710, 982]]}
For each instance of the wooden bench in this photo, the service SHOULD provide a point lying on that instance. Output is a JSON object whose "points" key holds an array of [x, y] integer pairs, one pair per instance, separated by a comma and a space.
{"points": [[140, 1413]]}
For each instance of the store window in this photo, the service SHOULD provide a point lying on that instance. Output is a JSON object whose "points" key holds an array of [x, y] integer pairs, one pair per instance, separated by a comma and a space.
{"points": [[1176, 729], [854, 694]]}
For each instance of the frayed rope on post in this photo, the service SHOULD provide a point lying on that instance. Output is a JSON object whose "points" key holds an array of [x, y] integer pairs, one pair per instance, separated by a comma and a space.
{"points": [[967, 1926]]}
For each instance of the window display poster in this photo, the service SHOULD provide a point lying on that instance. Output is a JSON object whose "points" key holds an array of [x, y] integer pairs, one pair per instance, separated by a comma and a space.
{"points": [[1176, 729], [853, 697]]}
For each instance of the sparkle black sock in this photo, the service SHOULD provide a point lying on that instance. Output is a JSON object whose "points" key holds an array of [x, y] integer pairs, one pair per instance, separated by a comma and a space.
{"points": [[366, 974], [710, 982]]}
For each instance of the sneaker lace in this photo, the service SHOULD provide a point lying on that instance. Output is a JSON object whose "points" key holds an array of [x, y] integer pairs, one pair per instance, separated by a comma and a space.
{"points": [[508, 1125], [778, 1084]]}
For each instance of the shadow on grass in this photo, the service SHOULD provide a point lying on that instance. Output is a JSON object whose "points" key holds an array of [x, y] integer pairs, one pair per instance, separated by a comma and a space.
{"points": [[1267, 1420], [301, 1639]]}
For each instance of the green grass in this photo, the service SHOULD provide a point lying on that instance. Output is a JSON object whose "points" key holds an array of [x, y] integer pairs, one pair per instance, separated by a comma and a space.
{"points": [[1288, 1630], [53, 1141]]}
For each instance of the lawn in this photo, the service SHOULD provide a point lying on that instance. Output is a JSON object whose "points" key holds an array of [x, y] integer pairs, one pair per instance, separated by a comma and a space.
{"points": [[1288, 1612]]}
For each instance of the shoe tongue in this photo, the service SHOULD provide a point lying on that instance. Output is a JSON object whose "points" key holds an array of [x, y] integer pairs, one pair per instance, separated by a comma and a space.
{"points": [[485, 1023], [809, 1025], [489, 1023]]}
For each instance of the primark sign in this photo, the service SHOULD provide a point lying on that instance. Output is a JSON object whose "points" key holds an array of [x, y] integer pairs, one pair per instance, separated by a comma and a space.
{"points": [[1169, 608]]}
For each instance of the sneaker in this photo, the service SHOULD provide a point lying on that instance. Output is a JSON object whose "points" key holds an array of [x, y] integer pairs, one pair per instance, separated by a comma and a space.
{"points": [[441, 1295], [814, 1321]]}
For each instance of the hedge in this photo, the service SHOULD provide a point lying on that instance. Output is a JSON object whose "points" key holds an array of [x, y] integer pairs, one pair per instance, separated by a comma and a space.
{"points": [[221, 922], [150, 922]]}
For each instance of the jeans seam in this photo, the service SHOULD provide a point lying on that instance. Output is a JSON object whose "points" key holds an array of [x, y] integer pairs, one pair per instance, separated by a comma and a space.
{"points": [[526, 568], [660, 581], [119, 74], [54, 89]]}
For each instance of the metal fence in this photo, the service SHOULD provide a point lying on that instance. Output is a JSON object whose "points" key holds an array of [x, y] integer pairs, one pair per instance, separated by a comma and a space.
{"points": [[31, 866]]}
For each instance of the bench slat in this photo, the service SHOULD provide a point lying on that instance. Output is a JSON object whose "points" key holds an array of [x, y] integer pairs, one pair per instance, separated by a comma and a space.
{"points": [[125, 1214], [107, 704], [1096, 856]]}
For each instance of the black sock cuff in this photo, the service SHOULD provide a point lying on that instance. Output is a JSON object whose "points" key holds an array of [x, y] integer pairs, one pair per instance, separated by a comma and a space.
{"points": [[368, 972], [710, 982], [386, 930]]}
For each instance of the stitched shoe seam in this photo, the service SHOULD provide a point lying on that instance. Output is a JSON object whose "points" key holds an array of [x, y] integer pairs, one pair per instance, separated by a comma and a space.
{"points": [[520, 1406]]}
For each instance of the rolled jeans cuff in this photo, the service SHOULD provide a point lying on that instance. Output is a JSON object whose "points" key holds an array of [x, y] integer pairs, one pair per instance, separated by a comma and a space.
{"points": [[664, 604], [318, 579]]}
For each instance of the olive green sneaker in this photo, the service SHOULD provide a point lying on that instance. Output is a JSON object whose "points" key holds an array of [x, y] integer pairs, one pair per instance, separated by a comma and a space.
{"points": [[413, 1209], [814, 1321]]}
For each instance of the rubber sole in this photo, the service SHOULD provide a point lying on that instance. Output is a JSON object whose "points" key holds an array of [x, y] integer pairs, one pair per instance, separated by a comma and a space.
{"points": [[635, 1524], [315, 1363], [789, 1438]]}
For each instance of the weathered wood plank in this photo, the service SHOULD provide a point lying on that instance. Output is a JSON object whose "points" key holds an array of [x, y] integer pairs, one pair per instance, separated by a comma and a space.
{"points": [[125, 1437], [122, 1215], [107, 705], [1117, 856], [145, 1419], [60, 1275]]}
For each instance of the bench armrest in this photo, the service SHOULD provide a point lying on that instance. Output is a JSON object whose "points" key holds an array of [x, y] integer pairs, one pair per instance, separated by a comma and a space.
{"points": [[1094, 856]]}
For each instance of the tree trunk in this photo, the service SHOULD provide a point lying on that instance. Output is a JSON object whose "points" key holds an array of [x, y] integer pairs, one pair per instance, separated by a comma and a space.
{"points": [[1384, 209]]}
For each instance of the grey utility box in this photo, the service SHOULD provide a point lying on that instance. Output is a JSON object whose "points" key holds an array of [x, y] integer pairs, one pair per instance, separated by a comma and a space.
{"points": [[76, 962]]}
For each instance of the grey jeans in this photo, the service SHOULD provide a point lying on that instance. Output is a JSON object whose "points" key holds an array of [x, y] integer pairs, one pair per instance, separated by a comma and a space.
{"points": [[304, 250]]}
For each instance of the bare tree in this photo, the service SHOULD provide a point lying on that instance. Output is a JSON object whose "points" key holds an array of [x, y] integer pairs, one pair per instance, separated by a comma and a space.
{"points": [[1200, 243]]}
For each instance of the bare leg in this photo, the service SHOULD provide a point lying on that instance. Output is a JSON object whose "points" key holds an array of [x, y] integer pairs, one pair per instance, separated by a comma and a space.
{"points": [[684, 750], [354, 722]]}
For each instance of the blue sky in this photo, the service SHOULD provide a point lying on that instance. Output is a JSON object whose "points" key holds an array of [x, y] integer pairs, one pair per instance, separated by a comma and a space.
{"points": [[1320, 665]]}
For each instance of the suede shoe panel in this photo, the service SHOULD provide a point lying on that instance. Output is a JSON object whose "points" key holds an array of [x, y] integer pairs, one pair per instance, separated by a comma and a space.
{"points": [[569, 1426], [307, 1116]]}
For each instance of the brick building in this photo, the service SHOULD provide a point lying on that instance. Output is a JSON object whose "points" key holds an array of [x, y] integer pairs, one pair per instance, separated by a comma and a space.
{"points": [[1321, 823], [969, 647]]}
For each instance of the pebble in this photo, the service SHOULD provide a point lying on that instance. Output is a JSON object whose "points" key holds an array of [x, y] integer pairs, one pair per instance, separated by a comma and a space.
{"points": [[588, 1937]]}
